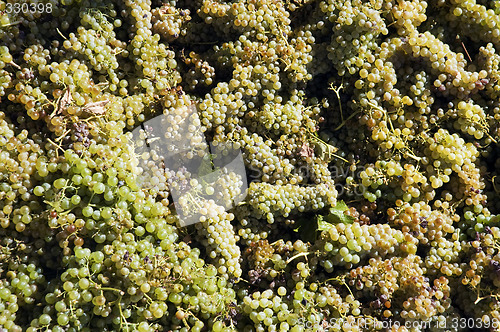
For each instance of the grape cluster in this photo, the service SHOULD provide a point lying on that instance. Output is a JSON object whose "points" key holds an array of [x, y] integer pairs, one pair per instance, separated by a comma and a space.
{"points": [[272, 200], [348, 244], [168, 21]]}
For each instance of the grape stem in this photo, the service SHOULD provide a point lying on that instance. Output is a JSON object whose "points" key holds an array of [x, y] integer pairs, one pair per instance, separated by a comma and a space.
{"points": [[297, 256], [341, 280], [277, 241], [344, 122], [480, 298], [337, 92], [60, 33], [493, 183], [13, 64], [120, 292], [63, 135], [465, 49], [123, 320], [10, 24], [330, 149], [491, 137], [57, 146], [408, 151]]}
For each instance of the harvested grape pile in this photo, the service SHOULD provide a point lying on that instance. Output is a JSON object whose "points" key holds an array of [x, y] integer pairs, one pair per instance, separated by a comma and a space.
{"points": [[370, 136]]}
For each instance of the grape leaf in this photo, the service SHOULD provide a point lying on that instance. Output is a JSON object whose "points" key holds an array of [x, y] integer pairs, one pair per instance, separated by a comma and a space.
{"points": [[337, 215], [64, 101], [207, 165], [96, 107], [308, 228], [322, 224], [306, 150]]}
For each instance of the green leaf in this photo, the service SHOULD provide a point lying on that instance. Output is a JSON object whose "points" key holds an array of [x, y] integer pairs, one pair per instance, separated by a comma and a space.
{"points": [[308, 228], [207, 165], [322, 224], [337, 215]]}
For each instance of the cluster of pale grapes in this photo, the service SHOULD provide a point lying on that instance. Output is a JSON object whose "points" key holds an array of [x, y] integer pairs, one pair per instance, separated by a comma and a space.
{"points": [[368, 196]]}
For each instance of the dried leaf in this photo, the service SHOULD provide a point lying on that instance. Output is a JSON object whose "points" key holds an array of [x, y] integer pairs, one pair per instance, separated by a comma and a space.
{"points": [[326, 151], [96, 107], [306, 150], [64, 101]]}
